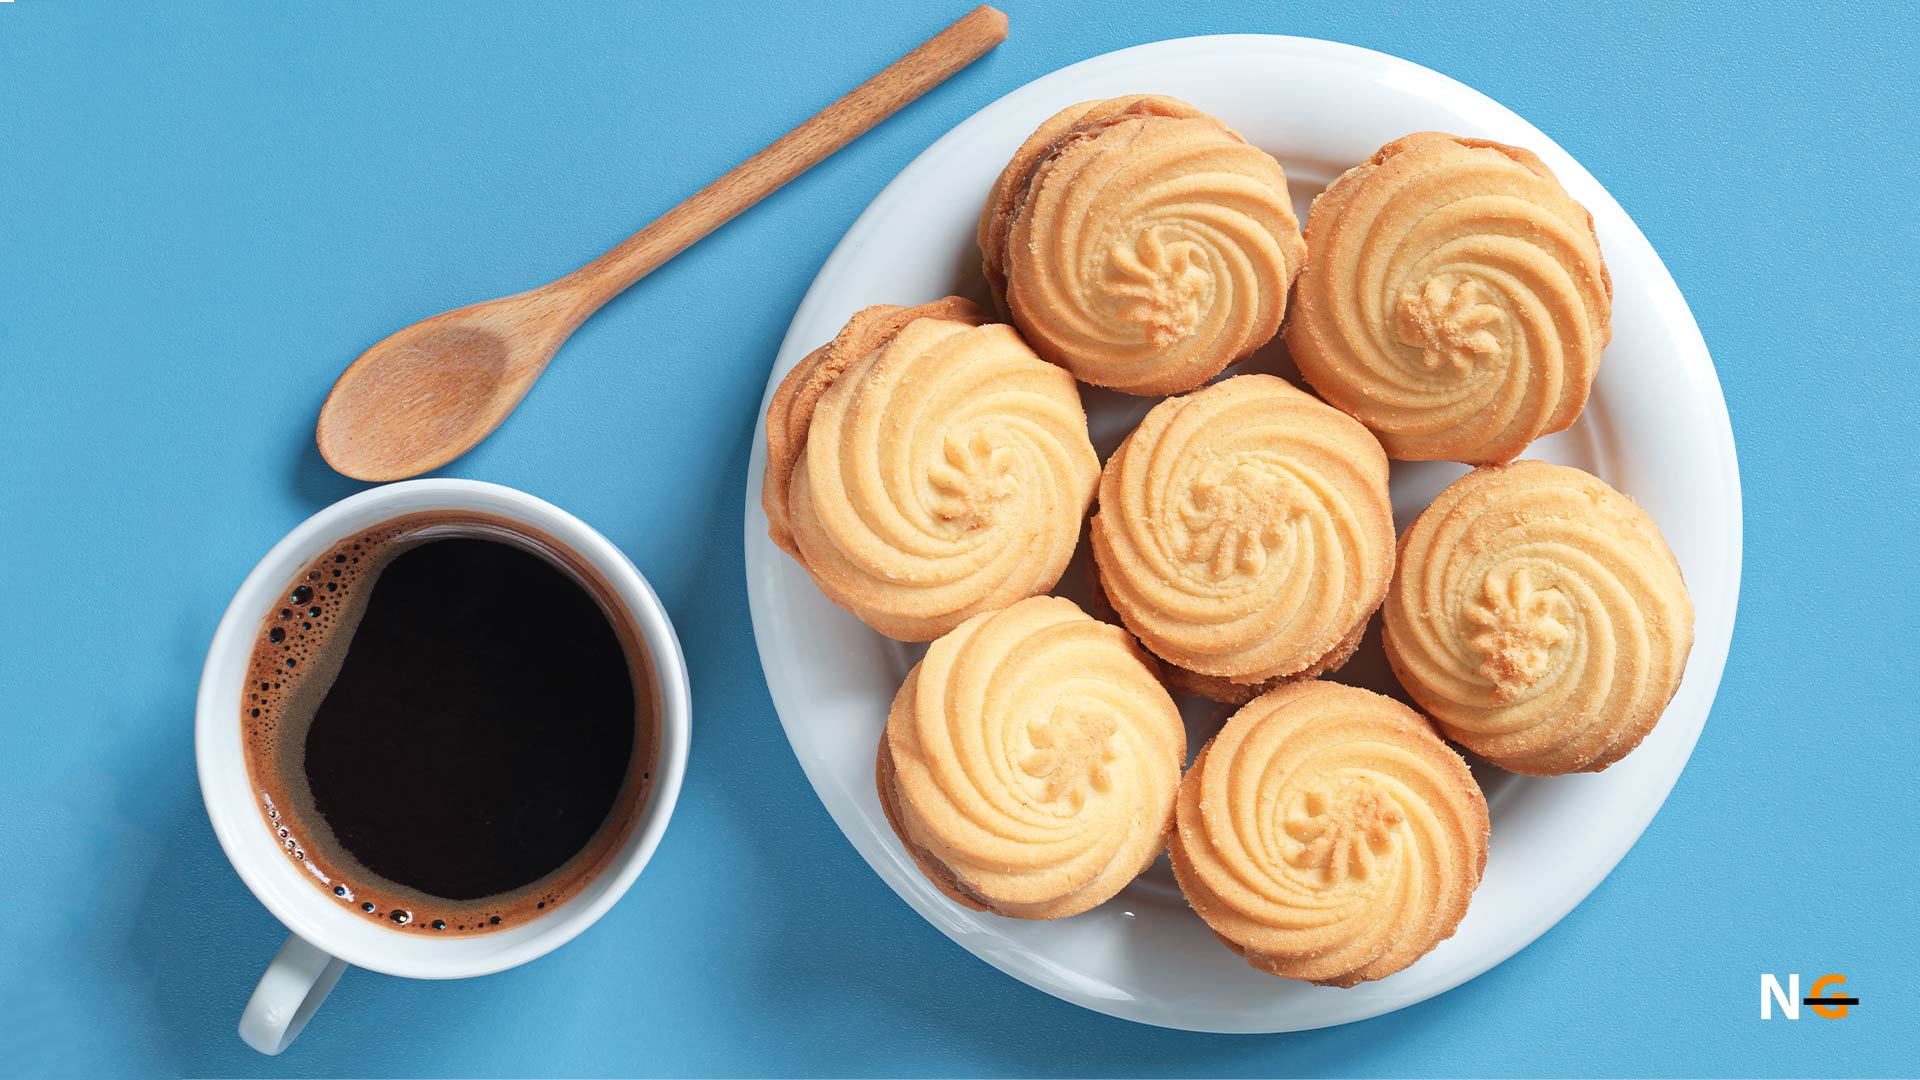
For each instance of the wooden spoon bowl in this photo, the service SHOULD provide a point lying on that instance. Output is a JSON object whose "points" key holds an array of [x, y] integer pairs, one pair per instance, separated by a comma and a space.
{"points": [[431, 392]]}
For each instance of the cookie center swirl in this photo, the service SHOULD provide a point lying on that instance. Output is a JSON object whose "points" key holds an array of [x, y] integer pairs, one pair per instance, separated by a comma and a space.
{"points": [[1516, 627], [1343, 830], [1454, 323], [1072, 748], [1234, 519], [1159, 284], [976, 472]]}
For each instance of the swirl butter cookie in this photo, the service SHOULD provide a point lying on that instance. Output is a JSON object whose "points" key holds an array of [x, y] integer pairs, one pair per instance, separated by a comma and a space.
{"points": [[1244, 533], [1141, 244], [1454, 299], [1327, 834], [1216, 687], [1030, 761], [1539, 617], [925, 466]]}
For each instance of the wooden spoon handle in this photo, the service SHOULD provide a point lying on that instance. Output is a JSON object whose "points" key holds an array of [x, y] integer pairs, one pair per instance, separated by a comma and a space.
{"points": [[787, 157]]}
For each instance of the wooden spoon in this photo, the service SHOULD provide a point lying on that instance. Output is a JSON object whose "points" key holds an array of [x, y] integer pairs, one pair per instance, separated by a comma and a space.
{"points": [[432, 391]]}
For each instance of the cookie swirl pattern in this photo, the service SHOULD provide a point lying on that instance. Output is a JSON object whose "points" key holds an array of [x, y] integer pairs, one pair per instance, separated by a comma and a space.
{"points": [[926, 466], [1454, 300], [1245, 532], [1540, 617], [1141, 244], [1327, 834], [1030, 761]]}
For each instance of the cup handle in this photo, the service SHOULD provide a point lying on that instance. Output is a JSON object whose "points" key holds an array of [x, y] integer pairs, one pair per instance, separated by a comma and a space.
{"points": [[290, 992]]}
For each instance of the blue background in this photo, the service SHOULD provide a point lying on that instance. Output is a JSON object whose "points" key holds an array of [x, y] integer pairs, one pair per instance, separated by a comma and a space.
{"points": [[207, 210]]}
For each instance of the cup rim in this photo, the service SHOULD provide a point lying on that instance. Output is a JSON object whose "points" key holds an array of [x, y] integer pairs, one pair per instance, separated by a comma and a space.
{"points": [[226, 789]]}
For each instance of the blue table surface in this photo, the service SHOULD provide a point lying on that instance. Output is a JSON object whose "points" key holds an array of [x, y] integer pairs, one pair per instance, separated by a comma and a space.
{"points": [[207, 209]]}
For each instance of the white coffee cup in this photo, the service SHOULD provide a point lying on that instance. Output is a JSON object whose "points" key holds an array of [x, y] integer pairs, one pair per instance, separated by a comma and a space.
{"points": [[327, 935]]}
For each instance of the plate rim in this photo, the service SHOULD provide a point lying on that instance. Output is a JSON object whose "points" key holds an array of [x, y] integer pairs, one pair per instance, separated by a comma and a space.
{"points": [[1710, 651]]}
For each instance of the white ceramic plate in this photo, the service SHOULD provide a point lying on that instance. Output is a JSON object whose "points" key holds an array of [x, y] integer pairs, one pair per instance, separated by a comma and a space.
{"points": [[1656, 428]]}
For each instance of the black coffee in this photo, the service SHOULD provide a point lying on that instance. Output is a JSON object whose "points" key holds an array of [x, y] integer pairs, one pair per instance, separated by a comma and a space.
{"points": [[446, 726]]}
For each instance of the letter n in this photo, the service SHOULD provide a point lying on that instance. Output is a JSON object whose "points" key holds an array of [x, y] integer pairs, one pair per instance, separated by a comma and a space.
{"points": [[1789, 999]]}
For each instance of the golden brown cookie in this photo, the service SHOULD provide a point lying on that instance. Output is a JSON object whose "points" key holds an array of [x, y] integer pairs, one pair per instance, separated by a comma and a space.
{"points": [[1030, 761], [1327, 834], [1141, 244], [1539, 617], [1244, 532], [925, 466], [1454, 299], [1216, 687]]}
